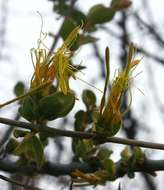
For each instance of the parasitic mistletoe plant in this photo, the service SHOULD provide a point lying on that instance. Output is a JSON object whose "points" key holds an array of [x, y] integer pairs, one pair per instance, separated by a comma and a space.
{"points": [[50, 97]]}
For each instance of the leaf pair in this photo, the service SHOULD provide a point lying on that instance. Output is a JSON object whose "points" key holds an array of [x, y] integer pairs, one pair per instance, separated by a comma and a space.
{"points": [[48, 108]]}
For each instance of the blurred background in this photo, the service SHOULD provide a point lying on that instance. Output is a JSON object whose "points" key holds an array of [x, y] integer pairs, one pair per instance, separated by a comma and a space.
{"points": [[142, 23]]}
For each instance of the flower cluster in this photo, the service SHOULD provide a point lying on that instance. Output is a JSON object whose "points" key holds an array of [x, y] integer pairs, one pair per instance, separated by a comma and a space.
{"points": [[111, 114], [55, 65]]}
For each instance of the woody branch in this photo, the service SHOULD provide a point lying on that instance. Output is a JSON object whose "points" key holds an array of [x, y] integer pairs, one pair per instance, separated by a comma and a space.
{"points": [[53, 132]]}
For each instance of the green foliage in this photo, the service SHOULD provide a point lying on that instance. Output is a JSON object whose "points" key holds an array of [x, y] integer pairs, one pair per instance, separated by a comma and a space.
{"points": [[80, 121], [20, 133], [99, 14], [61, 7], [84, 149], [67, 27], [56, 105], [120, 4], [29, 109], [130, 159], [32, 148], [104, 153], [107, 129], [89, 99], [11, 145], [49, 107], [86, 39], [79, 16], [110, 167], [19, 88], [139, 155]]}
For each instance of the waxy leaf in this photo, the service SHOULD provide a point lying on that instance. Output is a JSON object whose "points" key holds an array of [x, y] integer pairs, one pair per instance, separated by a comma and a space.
{"points": [[19, 89], [56, 105], [89, 99], [104, 153], [32, 149], [29, 109], [100, 14]]}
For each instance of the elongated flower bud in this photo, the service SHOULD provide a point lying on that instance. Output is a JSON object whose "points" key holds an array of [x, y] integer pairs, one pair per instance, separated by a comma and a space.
{"points": [[110, 119]]}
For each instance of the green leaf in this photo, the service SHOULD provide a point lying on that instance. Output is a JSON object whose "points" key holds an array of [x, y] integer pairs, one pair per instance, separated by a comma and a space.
{"points": [[19, 88], [107, 129], [67, 27], [104, 153], [11, 145], [109, 165], [78, 16], [79, 148], [20, 133], [125, 154], [23, 147], [139, 155], [100, 14], [29, 109], [80, 121], [89, 99], [118, 5], [32, 149], [61, 7], [95, 115], [38, 151], [83, 148], [131, 174], [86, 39], [43, 136], [56, 105]]}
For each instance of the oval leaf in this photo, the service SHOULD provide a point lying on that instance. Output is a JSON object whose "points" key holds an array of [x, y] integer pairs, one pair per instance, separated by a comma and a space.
{"points": [[56, 105]]}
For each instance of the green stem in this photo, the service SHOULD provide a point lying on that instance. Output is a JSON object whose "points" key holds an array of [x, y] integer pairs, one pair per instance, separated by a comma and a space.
{"points": [[26, 94]]}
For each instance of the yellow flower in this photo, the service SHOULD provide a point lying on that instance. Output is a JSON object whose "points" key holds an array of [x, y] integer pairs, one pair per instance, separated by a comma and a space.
{"points": [[111, 115], [48, 67], [61, 62], [55, 66]]}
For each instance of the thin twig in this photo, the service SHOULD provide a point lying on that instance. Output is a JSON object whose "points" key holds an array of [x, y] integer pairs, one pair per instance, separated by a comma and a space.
{"points": [[18, 183], [152, 30], [32, 91], [53, 132], [8, 132]]}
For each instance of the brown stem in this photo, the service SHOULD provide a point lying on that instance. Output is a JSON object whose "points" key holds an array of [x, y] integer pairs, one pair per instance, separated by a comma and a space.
{"points": [[53, 132]]}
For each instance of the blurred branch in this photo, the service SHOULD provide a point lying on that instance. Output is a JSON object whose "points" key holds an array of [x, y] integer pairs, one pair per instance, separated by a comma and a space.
{"points": [[151, 29], [18, 183], [139, 49], [132, 127], [149, 181], [58, 169], [99, 57], [150, 55], [53, 132], [3, 25], [8, 132]]}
